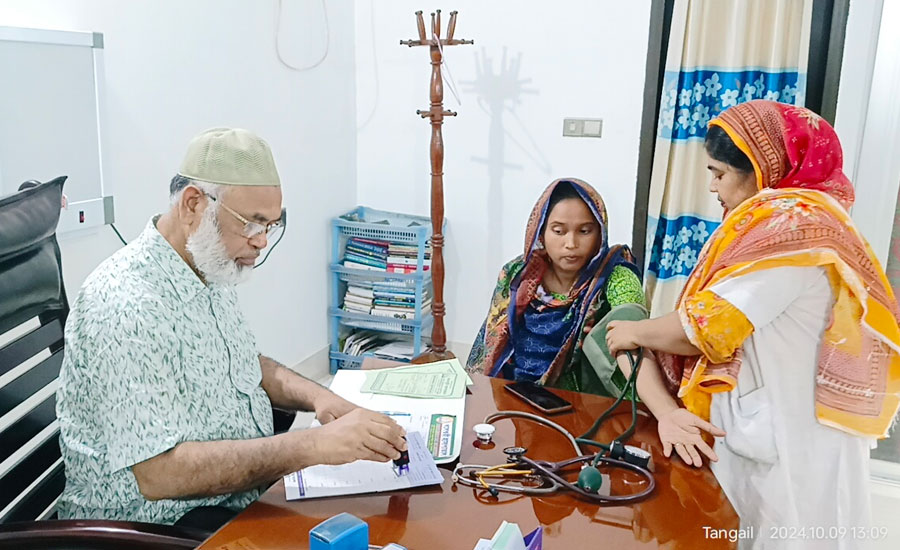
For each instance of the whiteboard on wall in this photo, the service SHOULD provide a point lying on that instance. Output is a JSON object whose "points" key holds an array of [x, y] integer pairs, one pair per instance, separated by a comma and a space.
{"points": [[50, 107]]}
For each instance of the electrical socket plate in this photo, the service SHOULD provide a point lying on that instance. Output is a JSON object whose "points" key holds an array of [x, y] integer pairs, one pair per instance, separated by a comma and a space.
{"points": [[582, 127], [85, 214]]}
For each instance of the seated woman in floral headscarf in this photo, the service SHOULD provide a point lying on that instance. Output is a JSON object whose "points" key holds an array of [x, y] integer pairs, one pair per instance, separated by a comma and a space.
{"points": [[786, 334], [547, 300]]}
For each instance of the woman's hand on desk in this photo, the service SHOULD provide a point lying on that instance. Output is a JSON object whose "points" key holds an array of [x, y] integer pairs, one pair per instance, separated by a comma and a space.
{"points": [[329, 406], [680, 429], [360, 434]]}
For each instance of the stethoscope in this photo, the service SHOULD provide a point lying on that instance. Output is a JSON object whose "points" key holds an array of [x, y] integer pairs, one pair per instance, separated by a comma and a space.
{"points": [[542, 478]]}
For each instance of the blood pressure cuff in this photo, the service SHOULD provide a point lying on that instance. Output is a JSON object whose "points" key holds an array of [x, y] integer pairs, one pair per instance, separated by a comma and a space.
{"points": [[599, 372]]}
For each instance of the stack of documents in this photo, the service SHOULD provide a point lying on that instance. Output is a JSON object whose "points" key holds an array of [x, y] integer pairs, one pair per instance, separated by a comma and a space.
{"points": [[379, 344], [397, 350], [439, 380], [428, 401]]}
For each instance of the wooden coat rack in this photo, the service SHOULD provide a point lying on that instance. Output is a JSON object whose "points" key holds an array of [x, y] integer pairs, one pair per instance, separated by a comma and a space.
{"points": [[436, 113]]}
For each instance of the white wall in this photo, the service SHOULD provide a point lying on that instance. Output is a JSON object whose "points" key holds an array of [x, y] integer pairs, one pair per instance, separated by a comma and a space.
{"points": [[175, 68], [858, 62], [346, 132], [532, 64], [877, 169]]}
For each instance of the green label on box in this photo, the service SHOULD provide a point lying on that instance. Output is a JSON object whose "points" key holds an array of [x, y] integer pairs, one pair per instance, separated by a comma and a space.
{"points": [[441, 435]]}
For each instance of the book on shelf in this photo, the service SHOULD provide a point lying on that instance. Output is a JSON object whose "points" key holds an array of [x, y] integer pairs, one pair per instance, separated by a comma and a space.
{"points": [[395, 303], [404, 269], [353, 308], [374, 242], [391, 292], [361, 291], [364, 260], [404, 260], [367, 246], [408, 253], [354, 265], [396, 292], [407, 248], [395, 309], [365, 253], [395, 314], [350, 299], [407, 298], [382, 285]]}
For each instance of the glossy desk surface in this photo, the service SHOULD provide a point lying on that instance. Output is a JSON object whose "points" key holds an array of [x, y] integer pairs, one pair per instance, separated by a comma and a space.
{"points": [[685, 501]]}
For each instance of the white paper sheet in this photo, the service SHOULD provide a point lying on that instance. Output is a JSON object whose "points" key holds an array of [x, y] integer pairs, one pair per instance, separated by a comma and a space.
{"points": [[364, 476], [347, 384]]}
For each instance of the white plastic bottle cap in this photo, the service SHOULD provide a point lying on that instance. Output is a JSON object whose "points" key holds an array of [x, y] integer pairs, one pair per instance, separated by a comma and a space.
{"points": [[484, 432]]}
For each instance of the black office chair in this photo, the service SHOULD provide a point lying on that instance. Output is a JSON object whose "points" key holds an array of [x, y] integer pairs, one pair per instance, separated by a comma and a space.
{"points": [[33, 309]]}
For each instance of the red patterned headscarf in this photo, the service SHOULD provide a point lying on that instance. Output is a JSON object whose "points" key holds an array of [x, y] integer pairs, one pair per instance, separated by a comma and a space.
{"points": [[789, 147], [799, 218]]}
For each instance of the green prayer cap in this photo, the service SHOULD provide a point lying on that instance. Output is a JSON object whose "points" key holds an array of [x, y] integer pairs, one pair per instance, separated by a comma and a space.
{"points": [[230, 156]]}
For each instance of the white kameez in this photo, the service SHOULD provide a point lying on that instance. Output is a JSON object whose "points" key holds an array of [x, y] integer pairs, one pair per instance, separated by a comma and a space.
{"points": [[795, 481]]}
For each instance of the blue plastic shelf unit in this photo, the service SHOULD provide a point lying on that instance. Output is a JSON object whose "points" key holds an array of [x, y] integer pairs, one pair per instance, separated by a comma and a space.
{"points": [[367, 223]]}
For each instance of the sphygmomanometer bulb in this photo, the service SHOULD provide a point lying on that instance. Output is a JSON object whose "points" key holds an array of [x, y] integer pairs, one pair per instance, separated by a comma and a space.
{"points": [[590, 479]]}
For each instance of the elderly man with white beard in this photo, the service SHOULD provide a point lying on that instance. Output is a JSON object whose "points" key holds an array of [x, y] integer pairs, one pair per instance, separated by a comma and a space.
{"points": [[164, 402]]}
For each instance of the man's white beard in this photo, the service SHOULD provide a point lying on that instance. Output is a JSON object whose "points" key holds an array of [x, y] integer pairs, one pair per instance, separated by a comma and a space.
{"points": [[209, 255]]}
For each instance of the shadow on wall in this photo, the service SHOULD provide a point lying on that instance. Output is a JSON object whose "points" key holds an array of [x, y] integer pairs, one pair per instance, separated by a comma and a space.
{"points": [[499, 90]]}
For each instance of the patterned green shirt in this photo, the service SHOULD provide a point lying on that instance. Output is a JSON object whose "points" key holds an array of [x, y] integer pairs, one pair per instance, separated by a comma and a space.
{"points": [[623, 287], [153, 358]]}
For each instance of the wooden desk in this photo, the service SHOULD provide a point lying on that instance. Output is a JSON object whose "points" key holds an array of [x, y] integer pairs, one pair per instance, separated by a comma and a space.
{"points": [[455, 517]]}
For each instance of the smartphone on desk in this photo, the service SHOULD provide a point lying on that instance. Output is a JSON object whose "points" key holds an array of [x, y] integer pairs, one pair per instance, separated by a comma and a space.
{"points": [[539, 397]]}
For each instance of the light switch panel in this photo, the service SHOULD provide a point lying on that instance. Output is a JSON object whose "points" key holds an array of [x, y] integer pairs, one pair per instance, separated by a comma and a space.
{"points": [[573, 127], [582, 127]]}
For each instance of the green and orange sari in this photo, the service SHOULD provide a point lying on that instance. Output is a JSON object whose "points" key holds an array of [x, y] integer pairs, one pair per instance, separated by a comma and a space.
{"points": [[532, 335]]}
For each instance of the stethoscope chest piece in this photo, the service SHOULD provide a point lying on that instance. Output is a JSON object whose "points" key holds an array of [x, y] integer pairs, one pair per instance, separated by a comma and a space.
{"points": [[514, 454]]}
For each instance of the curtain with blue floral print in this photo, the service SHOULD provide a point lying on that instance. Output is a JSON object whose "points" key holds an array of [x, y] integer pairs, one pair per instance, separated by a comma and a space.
{"points": [[720, 53]]}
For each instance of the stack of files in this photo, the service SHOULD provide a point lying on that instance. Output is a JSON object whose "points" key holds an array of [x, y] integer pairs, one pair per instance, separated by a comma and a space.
{"points": [[359, 298], [399, 350], [438, 380], [367, 254], [403, 258], [379, 344], [364, 341], [441, 422], [397, 301]]}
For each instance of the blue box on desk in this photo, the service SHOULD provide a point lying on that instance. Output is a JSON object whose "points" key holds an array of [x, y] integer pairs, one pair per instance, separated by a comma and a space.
{"points": [[341, 532]]}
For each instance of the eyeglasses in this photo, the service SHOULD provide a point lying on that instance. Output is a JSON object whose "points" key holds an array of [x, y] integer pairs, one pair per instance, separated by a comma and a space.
{"points": [[254, 229]]}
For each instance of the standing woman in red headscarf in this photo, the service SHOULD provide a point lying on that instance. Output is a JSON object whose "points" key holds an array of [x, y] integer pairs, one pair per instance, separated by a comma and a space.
{"points": [[786, 334]]}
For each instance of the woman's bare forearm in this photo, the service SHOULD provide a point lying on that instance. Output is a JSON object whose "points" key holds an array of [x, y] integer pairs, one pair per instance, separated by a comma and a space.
{"points": [[650, 385], [666, 334]]}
